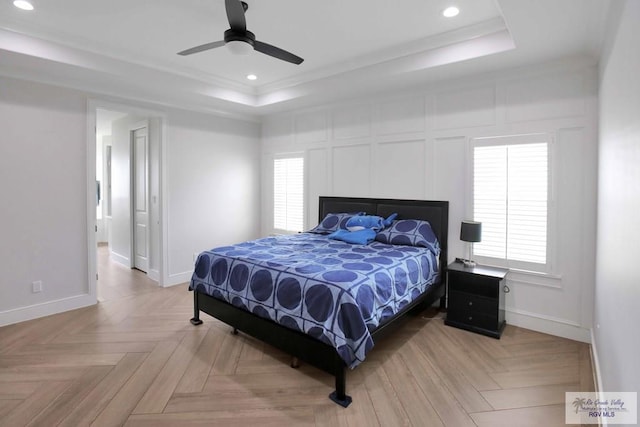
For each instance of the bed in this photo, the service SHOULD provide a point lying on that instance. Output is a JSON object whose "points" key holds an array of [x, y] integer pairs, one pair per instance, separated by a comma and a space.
{"points": [[312, 297]]}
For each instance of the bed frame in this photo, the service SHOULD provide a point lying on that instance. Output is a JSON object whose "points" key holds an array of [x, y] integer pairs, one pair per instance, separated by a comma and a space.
{"points": [[309, 349]]}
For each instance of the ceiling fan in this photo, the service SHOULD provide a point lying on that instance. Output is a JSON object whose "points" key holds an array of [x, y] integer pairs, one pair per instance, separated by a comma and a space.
{"points": [[241, 40]]}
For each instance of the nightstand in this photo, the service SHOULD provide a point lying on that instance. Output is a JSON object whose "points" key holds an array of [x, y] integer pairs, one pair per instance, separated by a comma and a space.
{"points": [[476, 298]]}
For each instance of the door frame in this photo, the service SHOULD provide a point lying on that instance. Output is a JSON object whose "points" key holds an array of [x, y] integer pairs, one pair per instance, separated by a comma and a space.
{"points": [[93, 104]]}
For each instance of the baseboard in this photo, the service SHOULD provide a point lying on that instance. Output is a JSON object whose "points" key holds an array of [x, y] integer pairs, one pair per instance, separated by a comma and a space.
{"points": [[178, 278], [595, 361], [153, 275], [120, 259], [597, 378], [548, 325], [36, 311]]}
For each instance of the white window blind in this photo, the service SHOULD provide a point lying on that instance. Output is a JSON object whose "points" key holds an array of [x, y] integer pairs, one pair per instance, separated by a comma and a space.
{"points": [[288, 197], [510, 198]]}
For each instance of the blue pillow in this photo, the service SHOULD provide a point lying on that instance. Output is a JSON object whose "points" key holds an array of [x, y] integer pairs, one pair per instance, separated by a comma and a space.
{"points": [[334, 222], [410, 232]]}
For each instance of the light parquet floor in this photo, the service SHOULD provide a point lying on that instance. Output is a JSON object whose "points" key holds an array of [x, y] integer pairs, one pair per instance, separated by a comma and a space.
{"points": [[134, 359]]}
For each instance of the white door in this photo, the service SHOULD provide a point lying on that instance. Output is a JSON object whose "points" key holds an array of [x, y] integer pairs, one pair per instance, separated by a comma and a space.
{"points": [[140, 199]]}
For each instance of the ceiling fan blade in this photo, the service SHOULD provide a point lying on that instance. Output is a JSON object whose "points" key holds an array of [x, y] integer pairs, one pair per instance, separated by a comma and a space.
{"points": [[276, 52], [201, 48], [235, 15]]}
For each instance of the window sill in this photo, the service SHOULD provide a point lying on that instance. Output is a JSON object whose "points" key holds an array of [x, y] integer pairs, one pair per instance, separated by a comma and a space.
{"points": [[528, 277], [534, 278]]}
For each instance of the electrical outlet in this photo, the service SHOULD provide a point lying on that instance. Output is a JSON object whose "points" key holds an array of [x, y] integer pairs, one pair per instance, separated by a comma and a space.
{"points": [[36, 286]]}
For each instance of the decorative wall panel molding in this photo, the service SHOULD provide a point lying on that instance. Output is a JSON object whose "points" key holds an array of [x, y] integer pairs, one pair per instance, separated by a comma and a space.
{"points": [[478, 108], [351, 170], [401, 116], [550, 96], [311, 127], [352, 122]]}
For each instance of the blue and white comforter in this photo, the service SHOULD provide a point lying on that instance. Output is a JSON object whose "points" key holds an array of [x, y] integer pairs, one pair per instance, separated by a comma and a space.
{"points": [[334, 291]]}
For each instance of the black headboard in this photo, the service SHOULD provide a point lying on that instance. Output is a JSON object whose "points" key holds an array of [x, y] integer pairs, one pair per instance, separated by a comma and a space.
{"points": [[436, 212]]}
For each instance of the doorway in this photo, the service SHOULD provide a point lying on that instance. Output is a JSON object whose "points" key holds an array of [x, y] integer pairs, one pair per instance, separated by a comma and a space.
{"points": [[103, 143], [127, 171]]}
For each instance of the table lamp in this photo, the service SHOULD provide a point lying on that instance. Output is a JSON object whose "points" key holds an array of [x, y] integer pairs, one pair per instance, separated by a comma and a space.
{"points": [[470, 231]]}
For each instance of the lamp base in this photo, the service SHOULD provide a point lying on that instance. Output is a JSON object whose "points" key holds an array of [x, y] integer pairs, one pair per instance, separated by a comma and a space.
{"points": [[469, 263]]}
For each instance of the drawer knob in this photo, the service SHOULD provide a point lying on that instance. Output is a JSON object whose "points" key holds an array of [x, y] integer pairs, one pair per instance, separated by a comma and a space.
{"points": [[470, 317], [470, 303]]}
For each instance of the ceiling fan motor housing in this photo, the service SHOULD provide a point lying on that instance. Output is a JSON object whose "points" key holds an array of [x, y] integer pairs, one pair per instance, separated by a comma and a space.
{"points": [[240, 36]]}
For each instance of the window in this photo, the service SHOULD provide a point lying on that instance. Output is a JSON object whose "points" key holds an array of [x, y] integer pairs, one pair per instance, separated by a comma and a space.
{"points": [[510, 199], [288, 194]]}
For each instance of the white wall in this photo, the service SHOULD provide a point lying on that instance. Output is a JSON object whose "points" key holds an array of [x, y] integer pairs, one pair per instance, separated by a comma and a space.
{"points": [[213, 190], [44, 199], [211, 180], [416, 145], [617, 293]]}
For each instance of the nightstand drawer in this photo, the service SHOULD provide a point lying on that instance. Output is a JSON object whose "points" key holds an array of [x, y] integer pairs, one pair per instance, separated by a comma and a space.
{"points": [[474, 284], [472, 318], [471, 302]]}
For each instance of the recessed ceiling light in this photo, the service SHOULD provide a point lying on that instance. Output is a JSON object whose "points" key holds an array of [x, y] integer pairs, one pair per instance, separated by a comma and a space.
{"points": [[450, 12], [252, 76], [23, 4]]}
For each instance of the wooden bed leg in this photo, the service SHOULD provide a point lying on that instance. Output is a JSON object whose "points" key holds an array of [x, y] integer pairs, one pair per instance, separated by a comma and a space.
{"points": [[295, 363], [340, 396], [234, 332], [196, 310]]}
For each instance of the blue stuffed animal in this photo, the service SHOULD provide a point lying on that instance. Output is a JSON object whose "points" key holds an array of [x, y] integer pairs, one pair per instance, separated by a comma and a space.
{"points": [[365, 222], [362, 229]]}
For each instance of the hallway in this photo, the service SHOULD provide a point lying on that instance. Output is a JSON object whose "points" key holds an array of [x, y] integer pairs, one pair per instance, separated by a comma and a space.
{"points": [[117, 281]]}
